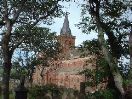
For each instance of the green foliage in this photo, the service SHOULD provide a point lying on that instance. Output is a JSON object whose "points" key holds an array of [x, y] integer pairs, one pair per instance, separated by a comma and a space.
{"points": [[127, 82], [103, 65], [40, 91], [115, 9], [11, 96], [24, 16], [114, 21], [91, 46], [102, 94], [96, 76], [42, 42], [17, 71], [87, 72], [110, 14], [32, 9], [99, 73], [37, 91], [116, 24], [20, 13]]}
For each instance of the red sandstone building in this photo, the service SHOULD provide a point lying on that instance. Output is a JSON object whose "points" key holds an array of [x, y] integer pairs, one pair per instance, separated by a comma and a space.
{"points": [[65, 72]]}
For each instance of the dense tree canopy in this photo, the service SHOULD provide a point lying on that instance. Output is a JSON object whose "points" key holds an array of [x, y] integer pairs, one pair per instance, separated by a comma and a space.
{"points": [[22, 16], [115, 23], [109, 18]]}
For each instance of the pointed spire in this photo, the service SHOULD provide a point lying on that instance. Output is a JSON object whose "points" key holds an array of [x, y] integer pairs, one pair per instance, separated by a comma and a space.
{"points": [[65, 29]]}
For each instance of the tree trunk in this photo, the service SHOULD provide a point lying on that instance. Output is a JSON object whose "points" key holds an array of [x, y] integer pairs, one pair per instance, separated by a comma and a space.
{"points": [[111, 61], [129, 85], [6, 78], [130, 50], [130, 72], [6, 54]]}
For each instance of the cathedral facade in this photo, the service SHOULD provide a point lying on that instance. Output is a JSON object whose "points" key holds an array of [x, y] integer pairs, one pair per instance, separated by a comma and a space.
{"points": [[65, 72]]}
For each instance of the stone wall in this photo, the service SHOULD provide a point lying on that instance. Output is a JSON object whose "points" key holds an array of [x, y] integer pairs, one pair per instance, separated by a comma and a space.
{"points": [[64, 73]]}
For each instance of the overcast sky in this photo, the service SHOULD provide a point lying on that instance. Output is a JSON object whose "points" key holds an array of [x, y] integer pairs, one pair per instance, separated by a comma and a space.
{"points": [[74, 18]]}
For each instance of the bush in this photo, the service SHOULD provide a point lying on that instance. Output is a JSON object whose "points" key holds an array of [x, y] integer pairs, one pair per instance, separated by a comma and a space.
{"points": [[102, 94], [38, 92]]}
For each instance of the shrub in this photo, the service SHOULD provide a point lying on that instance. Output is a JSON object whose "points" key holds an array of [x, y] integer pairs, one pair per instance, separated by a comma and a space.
{"points": [[102, 94], [40, 91]]}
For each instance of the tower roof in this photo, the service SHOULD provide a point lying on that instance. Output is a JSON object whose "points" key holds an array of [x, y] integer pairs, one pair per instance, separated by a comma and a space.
{"points": [[65, 30]]}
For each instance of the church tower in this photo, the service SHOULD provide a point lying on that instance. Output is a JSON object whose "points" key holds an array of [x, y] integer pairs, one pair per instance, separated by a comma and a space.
{"points": [[66, 39]]}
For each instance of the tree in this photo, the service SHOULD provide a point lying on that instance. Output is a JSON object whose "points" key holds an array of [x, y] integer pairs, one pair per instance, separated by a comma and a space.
{"points": [[16, 13], [97, 77], [43, 48], [106, 19], [37, 49]]}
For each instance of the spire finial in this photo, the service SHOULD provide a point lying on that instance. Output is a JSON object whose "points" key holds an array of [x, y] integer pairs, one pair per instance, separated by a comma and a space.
{"points": [[66, 29], [67, 13]]}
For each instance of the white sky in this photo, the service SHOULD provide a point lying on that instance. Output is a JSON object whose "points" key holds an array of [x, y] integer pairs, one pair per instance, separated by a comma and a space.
{"points": [[74, 18]]}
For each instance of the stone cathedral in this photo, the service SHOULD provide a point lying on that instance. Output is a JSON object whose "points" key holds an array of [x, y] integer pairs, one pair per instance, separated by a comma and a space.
{"points": [[65, 72]]}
